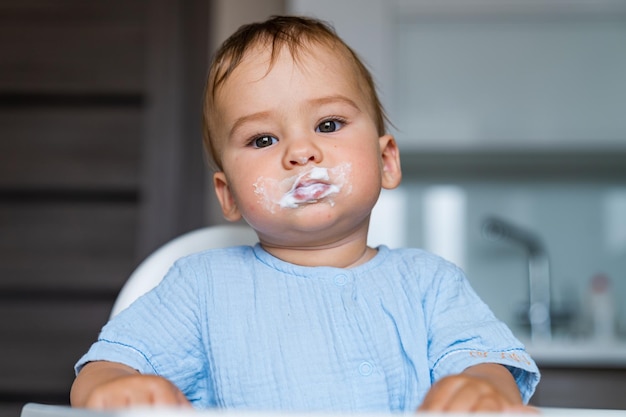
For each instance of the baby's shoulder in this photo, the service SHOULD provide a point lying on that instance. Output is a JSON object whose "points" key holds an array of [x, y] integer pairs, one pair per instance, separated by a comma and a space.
{"points": [[415, 257], [425, 268], [232, 255]]}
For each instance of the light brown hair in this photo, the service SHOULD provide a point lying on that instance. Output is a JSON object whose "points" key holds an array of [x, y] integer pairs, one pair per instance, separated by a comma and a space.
{"points": [[293, 32]]}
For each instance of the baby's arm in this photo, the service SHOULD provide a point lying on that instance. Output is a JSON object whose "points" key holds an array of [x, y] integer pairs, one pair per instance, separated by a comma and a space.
{"points": [[106, 385], [483, 387]]}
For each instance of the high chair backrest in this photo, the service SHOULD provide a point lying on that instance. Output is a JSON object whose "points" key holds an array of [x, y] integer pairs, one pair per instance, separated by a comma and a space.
{"points": [[152, 270]]}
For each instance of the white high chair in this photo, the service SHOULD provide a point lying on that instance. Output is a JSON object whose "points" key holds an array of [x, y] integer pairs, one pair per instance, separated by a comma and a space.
{"points": [[152, 270]]}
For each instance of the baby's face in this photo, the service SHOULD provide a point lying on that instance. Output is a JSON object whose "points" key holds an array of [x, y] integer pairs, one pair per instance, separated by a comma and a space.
{"points": [[299, 147]]}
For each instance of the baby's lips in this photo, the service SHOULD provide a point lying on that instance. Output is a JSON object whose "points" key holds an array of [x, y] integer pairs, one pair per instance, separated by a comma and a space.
{"points": [[307, 182], [310, 191]]}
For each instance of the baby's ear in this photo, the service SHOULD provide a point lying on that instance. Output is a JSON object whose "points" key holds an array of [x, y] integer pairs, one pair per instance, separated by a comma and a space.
{"points": [[390, 154], [225, 197]]}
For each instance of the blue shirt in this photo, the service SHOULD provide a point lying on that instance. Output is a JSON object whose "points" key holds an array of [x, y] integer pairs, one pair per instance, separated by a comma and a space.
{"points": [[239, 328]]}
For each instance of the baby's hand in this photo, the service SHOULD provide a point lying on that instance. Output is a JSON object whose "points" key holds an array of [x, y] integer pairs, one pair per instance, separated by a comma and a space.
{"points": [[134, 390], [475, 392]]}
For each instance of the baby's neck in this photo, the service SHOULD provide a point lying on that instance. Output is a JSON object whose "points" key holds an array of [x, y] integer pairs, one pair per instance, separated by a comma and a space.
{"points": [[341, 256]]}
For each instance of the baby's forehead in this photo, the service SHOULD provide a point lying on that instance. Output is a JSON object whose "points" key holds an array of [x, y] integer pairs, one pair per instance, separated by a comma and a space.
{"points": [[267, 53]]}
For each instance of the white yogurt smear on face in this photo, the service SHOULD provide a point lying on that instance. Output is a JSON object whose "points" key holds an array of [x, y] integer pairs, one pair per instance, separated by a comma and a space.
{"points": [[314, 185]]}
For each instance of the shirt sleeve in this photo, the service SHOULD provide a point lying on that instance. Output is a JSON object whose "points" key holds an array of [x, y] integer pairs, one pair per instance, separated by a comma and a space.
{"points": [[463, 332], [160, 334]]}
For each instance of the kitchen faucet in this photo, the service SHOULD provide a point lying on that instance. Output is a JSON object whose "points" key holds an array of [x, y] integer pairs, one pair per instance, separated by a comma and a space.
{"points": [[539, 313]]}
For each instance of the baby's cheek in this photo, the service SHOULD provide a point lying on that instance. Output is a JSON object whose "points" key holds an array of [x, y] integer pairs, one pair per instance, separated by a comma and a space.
{"points": [[268, 192]]}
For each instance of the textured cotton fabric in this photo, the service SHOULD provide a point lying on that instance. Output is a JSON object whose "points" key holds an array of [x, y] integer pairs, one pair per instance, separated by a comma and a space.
{"points": [[239, 328]]}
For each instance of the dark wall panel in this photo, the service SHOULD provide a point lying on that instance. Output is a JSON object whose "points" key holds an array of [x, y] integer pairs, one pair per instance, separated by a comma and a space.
{"points": [[72, 45], [66, 148], [60, 246]]}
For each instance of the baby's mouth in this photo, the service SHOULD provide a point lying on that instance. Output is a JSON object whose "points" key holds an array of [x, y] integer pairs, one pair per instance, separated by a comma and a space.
{"points": [[310, 191], [313, 185], [308, 188]]}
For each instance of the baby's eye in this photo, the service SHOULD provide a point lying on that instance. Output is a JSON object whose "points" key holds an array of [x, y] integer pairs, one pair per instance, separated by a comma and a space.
{"points": [[263, 141], [329, 126]]}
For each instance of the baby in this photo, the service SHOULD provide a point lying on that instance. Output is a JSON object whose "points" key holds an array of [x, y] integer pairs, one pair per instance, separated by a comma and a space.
{"points": [[310, 318]]}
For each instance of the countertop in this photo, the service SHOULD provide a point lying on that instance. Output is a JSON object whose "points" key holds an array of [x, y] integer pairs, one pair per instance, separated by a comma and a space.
{"points": [[579, 353]]}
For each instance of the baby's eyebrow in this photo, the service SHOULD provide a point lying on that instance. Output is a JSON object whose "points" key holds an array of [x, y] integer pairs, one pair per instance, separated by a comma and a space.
{"points": [[334, 99], [262, 115], [318, 101]]}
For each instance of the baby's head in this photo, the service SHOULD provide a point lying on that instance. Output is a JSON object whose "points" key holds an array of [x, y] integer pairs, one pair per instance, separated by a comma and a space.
{"points": [[297, 34]]}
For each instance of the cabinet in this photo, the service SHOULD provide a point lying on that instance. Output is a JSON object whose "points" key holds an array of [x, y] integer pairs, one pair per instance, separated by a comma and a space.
{"points": [[581, 387], [493, 75]]}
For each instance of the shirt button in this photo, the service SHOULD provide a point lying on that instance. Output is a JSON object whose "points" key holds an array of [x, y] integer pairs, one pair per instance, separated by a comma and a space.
{"points": [[341, 280], [366, 368]]}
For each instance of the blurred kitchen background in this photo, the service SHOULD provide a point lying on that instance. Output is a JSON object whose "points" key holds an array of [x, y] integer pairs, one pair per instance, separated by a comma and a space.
{"points": [[510, 115]]}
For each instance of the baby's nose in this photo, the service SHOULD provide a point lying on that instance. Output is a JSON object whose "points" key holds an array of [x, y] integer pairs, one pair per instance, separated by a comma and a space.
{"points": [[303, 160], [301, 153]]}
